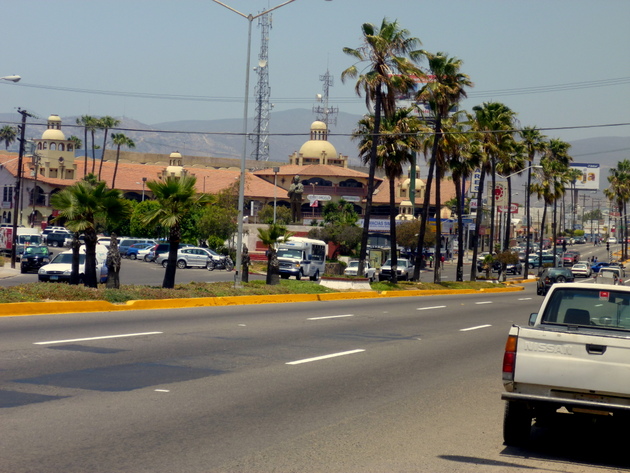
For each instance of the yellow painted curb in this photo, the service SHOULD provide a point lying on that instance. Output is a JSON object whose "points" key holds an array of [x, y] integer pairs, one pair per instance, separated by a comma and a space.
{"points": [[69, 307]]}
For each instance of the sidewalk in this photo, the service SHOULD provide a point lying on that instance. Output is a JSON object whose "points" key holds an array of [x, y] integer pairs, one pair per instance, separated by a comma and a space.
{"points": [[6, 271]]}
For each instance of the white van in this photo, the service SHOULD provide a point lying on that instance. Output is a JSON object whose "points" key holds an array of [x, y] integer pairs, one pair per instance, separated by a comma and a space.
{"points": [[302, 257]]}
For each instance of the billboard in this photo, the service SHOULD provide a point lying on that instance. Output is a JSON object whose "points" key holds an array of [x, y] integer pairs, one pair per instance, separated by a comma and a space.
{"points": [[590, 176]]}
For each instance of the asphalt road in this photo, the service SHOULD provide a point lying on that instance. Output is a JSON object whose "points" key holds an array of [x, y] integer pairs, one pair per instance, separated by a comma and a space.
{"points": [[391, 385]]}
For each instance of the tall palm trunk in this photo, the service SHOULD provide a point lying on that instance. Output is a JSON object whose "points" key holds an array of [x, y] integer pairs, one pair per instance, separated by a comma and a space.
{"points": [[437, 269], [93, 152], [459, 192], [424, 216], [100, 166], [392, 230], [493, 203], [528, 213], [85, 146], [475, 243], [116, 166], [508, 218], [542, 235], [371, 174]]}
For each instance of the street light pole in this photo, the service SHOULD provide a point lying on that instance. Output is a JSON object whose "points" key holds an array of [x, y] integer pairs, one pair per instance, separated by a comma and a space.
{"points": [[241, 188]]}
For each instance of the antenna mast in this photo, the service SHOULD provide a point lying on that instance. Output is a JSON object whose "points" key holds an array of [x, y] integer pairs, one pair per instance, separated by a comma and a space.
{"points": [[324, 113], [263, 92]]}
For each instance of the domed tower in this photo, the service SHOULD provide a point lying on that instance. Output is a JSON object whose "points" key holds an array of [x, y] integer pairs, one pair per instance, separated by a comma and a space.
{"points": [[318, 150], [175, 167], [56, 154]]}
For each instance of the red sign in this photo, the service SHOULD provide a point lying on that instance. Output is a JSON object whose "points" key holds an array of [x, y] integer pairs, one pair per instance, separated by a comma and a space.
{"points": [[513, 208]]}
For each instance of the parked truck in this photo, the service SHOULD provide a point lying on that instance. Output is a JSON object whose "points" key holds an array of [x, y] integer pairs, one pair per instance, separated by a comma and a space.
{"points": [[25, 237], [302, 257], [573, 358]]}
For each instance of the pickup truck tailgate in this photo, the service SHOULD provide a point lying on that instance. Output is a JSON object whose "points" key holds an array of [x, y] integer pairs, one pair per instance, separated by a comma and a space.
{"points": [[573, 360]]}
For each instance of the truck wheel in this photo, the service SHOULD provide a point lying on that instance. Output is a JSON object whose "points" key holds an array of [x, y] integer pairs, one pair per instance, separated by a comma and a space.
{"points": [[517, 424], [315, 277], [298, 276], [55, 244]]}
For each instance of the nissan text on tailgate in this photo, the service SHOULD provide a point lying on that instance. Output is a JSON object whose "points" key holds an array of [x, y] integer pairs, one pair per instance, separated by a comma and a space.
{"points": [[573, 357]]}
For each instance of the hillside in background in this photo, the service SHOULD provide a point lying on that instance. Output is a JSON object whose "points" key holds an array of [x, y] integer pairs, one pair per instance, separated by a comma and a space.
{"points": [[288, 131]]}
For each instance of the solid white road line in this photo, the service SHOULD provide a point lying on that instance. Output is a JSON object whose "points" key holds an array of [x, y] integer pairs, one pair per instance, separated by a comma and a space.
{"points": [[97, 338], [330, 317], [324, 357], [474, 328], [434, 307]]}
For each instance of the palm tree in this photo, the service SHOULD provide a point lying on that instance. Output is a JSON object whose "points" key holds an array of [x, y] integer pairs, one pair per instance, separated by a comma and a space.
{"points": [[513, 163], [269, 237], [558, 152], [105, 123], [496, 122], [85, 205], [84, 121], [462, 160], [442, 94], [619, 193], [177, 199], [119, 139], [535, 143], [551, 180], [76, 142], [397, 144], [390, 55], [8, 134], [91, 125]]}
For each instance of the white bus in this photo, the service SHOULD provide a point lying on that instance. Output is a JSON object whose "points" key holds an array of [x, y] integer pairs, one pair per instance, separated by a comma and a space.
{"points": [[302, 257]]}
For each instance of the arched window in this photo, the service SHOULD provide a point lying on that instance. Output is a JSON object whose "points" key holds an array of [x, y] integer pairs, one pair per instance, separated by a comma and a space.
{"points": [[53, 146], [61, 147], [350, 183]]}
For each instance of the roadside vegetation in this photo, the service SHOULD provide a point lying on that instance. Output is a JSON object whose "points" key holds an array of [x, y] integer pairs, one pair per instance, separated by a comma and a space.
{"points": [[43, 292]]}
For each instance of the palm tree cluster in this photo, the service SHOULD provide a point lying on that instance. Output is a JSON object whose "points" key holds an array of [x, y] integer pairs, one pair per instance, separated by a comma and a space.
{"points": [[454, 142], [619, 194], [91, 125]]}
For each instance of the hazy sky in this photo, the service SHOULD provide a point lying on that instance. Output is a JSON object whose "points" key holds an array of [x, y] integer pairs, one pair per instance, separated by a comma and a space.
{"points": [[556, 63]]}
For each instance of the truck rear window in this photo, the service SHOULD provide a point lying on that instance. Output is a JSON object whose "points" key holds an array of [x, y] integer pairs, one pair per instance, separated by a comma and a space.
{"points": [[595, 307]]}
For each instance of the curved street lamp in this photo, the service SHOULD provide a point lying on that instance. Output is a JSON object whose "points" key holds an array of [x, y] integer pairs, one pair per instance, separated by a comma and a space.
{"points": [[11, 78], [241, 189]]}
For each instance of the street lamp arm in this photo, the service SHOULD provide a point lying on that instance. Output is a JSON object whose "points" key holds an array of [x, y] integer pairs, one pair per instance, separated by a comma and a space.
{"points": [[534, 166], [251, 17], [11, 78]]}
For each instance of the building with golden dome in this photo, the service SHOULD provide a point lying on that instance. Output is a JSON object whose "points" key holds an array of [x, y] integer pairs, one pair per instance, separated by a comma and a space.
{"points": [[318, 150]]}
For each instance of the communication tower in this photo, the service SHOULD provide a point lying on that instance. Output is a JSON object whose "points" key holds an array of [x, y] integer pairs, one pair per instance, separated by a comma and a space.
{"points": [[260, 137], [324, 113]]}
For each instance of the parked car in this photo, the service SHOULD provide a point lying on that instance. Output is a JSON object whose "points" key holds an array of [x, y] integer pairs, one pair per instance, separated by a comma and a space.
{"points": [[57, 238], [404, 270], [612, 240], [188, 257], [60, 268], [581, 269], [125, 243], [550, 276], [34, 257], [139, 250], [353, 268], [159, 249]]}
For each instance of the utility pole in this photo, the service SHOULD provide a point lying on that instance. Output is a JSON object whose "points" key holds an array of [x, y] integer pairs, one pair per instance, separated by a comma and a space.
{"points": [[18, 185]]}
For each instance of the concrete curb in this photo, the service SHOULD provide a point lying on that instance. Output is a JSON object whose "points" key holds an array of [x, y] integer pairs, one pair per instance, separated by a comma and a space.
{"points": [[43, 308]]}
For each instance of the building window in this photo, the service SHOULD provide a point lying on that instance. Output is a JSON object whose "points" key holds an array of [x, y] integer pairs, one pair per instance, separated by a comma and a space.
{"points": [[7, 195]]}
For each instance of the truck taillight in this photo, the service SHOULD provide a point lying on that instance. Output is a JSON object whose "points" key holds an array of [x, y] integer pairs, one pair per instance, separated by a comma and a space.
{"points": [[509, 358]]}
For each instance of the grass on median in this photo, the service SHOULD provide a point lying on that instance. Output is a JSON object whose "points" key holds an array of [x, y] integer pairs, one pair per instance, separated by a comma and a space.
{"points": [[40, 292]]}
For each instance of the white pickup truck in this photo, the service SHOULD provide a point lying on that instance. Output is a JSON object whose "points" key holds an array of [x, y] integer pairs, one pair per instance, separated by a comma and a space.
{"points": [[574, 354]]}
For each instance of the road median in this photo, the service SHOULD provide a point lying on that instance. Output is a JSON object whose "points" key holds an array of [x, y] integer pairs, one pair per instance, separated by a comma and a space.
{"points": [[68, 307]]}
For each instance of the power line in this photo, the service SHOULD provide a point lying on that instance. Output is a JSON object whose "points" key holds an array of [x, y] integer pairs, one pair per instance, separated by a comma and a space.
{"points": [[354, 99]]}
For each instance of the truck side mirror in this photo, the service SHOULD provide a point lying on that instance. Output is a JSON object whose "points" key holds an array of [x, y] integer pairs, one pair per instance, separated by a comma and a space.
{"points": [[532, 319]]}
